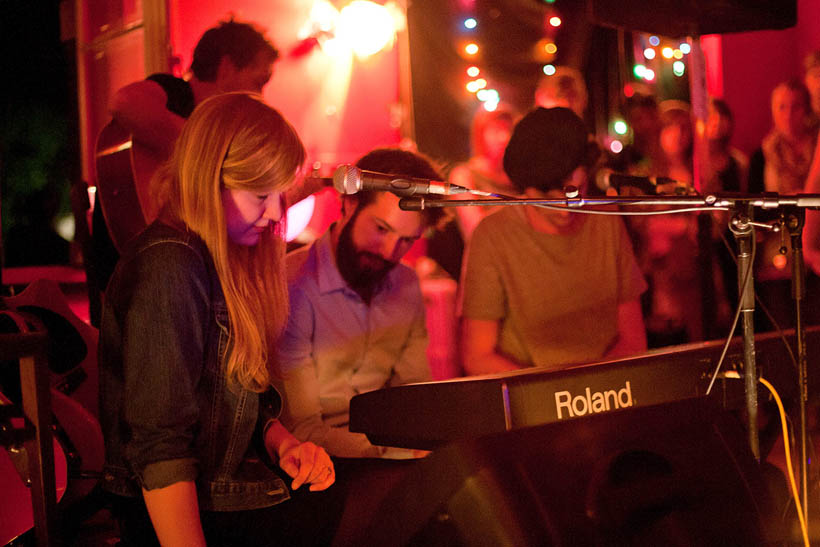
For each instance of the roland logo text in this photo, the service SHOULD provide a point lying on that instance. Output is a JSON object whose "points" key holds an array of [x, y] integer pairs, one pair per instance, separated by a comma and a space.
{"points": [[569, 406]]}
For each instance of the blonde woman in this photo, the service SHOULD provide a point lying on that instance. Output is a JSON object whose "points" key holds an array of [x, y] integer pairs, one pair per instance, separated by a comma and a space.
{"points": [[190, 316]]}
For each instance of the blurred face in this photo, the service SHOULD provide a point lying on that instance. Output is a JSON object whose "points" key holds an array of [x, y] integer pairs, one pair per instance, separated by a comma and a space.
{"points": [[675, 139], [788, 112], [249, 213], [496, 136], [373, 239], [812, 82], [644, 121], [251, 78], [717, 126], [552, 221]]}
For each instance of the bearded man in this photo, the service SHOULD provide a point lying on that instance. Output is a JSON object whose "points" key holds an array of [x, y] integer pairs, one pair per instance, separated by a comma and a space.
{"points": [[357, 320]]}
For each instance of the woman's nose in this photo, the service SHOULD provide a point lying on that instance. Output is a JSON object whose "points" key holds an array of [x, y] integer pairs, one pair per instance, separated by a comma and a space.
{"points": [[274, 209]]}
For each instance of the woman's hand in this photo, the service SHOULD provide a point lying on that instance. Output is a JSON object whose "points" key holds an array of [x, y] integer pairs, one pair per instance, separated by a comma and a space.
{"points": [[305, 462]]}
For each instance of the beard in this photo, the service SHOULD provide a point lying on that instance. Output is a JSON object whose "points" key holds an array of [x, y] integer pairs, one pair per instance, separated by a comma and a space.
{"points": [[363, 271]]}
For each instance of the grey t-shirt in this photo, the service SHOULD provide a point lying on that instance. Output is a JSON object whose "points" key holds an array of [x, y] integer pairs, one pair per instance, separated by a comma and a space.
{"points": [[556, 296]]}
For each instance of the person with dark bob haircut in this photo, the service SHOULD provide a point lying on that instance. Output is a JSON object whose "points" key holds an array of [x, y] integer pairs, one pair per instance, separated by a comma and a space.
{"points": [[544, 287]]}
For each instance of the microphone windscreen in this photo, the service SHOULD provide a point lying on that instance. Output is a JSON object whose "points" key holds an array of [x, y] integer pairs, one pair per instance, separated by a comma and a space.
{"points": [[347, 179]]}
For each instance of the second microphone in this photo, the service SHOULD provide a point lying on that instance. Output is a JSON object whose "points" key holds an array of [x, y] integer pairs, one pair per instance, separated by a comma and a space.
{"points": [[349, 179]]}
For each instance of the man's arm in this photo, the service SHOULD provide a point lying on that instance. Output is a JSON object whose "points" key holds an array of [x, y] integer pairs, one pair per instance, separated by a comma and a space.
{"points": [[302, 415], [140, 108], [631, 331], [412, 365], [479, 338], [300, 388]]}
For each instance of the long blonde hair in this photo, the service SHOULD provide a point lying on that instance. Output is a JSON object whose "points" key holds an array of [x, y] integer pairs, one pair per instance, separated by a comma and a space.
{"points": [[236, 141]]}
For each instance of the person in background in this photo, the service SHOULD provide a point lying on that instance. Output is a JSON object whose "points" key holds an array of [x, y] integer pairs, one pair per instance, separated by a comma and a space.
{"points": [[187, 350], [725, 170], [543, 287], [789, 147], [643, 118], [811, 77], [489, 134], [565, 87], [726, 167], [232, 56], [784, 160], [686, 299]]}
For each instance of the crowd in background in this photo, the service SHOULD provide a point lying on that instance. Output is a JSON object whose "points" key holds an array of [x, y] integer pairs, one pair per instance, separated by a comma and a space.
{"points": [[687, 259]]}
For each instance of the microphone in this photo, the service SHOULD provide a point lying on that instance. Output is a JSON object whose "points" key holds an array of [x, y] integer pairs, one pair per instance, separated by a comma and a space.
{"points": [[349, 179], [606, 178]]}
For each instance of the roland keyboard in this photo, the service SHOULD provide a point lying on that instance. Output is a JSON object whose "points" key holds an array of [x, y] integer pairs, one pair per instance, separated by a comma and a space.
{"points": [[427, 415]]}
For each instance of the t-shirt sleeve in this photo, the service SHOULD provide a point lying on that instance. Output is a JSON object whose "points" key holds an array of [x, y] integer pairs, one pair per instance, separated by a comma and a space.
{"points": [[482, 293], [631, 281], [179, 92]]}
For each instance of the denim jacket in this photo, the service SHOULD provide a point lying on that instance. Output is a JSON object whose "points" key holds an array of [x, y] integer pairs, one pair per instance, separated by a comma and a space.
{"points": [[167, 411]]}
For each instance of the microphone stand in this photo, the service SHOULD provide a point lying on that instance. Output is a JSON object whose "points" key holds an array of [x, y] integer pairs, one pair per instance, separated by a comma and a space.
{"points": [[740, 223], [741, 207], [794, 223]]}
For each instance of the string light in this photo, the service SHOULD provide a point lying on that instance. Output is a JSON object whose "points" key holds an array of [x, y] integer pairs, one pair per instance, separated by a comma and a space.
{"points": [[546, 50]]}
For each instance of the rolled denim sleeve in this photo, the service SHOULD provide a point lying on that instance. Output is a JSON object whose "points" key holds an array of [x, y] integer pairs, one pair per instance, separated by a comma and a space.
{"points": [[163, 333]]}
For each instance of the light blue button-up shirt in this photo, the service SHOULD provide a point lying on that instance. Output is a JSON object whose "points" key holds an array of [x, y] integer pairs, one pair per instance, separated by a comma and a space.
{"points": [[336, 346]]}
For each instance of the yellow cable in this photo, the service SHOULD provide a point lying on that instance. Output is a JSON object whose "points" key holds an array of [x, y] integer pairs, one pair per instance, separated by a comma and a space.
{"points": [[803, 527]]}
